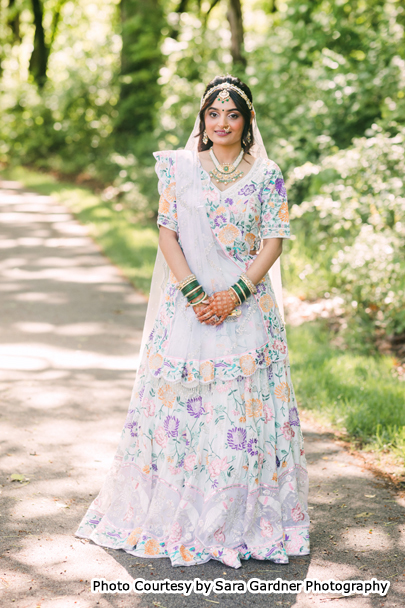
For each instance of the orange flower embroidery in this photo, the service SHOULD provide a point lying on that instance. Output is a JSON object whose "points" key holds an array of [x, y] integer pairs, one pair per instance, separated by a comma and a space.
{"points": [[250, 239], [185, 554], [151, 547], [284, 464], [266, 303], [242, 419], [247, 364], [134, 537], [207, 371], [282, 391], [167, 395], [146, 469], [228, 234], [155, 361], [254, 408], [283, 212], [274, 478], [164, 205], [170, 192]]}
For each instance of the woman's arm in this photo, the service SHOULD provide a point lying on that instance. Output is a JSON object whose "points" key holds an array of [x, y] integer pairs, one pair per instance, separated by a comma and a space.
{"points": [[169, 246], [265, 259]]}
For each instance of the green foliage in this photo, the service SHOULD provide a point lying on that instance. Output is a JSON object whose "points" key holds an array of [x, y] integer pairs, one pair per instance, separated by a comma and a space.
{"points": [[353, 390], [351, 234]]}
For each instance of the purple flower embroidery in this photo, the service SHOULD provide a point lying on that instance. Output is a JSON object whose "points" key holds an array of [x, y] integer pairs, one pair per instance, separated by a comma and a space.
{"points": [[228, 201], [141, 392], [260, 359], [195, 407], [293, 417], [277, 462], [132, 426], [154, 466], [171, 426], [250, 447], [280, 187], [270, 373], [215, 483], [249, 189], [220, 220], [237, 438]]}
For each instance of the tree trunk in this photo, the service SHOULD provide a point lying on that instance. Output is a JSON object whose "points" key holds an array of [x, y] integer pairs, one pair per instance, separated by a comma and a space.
{"points": [[13, 20], [235, 18], [39, 57], [141, 60]]}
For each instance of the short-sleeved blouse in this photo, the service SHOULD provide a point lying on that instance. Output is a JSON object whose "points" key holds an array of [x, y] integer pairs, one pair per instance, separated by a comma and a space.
{"points": [[252, 209]]}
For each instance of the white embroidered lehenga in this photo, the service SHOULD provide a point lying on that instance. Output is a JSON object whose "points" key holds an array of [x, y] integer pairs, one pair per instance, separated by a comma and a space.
{"points": [[211, 464]]}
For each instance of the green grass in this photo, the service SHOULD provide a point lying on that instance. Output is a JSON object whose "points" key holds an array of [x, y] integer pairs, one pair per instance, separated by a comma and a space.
{"points": [[127, 242], [351, 388]]}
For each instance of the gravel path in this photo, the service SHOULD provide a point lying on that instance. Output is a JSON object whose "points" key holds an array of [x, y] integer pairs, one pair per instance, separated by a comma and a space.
{"points": [[70, 333]]}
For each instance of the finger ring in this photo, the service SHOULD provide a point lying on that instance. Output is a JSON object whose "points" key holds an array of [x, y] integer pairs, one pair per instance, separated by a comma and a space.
{"points": [[214, 318]]}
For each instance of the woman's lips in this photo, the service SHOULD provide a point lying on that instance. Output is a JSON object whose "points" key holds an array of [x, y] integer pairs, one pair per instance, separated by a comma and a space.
{"points": [[221, 133]]}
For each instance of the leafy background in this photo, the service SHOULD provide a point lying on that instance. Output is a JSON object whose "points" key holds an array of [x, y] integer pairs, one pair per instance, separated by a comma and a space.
{"points": [[90, 89]]}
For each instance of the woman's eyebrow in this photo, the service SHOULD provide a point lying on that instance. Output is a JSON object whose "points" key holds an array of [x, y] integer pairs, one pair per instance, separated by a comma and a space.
{"points": [[231, 110]]}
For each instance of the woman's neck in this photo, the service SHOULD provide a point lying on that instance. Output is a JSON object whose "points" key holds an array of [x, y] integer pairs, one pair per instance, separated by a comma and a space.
{"points": [[226, 154]]}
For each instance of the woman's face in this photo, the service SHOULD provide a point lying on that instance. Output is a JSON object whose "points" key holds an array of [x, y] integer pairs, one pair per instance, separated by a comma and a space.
{"points": [[224, 123]]}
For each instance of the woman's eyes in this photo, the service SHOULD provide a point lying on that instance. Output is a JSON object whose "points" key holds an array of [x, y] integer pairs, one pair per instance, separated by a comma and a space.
{"points": [[215, 114]]}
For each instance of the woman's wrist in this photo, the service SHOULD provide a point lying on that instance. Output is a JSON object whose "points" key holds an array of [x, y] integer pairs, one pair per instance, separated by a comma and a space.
{"points": [[242, 289]]}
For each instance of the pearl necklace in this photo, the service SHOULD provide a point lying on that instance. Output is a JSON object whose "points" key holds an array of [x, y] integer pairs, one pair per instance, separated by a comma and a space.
{"points": [[226, 173]]}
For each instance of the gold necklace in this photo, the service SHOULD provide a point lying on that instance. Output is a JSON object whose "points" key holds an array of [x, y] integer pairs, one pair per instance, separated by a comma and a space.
{"points": [[225, 173]]}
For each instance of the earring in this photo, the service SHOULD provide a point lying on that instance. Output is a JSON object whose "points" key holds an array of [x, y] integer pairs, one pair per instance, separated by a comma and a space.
{"points": [[205, 137], [247, 139]]}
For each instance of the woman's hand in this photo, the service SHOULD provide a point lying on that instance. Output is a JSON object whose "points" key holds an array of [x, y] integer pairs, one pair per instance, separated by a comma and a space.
{"points": [[220, 304]]}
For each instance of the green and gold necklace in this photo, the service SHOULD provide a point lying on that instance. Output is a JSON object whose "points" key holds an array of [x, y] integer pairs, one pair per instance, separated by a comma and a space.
{"points": [[226, 173]]}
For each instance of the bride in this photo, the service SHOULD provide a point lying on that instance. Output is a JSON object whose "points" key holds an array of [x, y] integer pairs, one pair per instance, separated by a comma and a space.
{"points": [[211, 464]]}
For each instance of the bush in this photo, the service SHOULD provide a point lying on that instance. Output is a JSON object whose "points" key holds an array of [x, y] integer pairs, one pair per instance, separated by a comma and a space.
{"points": [[352, 232]]}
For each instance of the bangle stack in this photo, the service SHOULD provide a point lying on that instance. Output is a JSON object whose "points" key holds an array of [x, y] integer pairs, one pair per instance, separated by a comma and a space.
{"points": [[191, 289], [243, 288]]}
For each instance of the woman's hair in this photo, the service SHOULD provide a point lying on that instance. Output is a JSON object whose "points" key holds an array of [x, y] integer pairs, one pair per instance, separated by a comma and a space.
{"points": [[240, 104]]}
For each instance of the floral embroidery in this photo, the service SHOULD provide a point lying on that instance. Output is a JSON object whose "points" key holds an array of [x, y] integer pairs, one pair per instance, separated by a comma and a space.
{"points": [[152, 547], [254, 408], [247, 364], [167, 395], [266, 303], [237, 438], [228, 234], [283, 391], [134, 537]]}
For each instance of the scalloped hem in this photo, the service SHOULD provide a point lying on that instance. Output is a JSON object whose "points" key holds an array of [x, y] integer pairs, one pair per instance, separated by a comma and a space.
{"points": [[294, 543], [192, 372]]}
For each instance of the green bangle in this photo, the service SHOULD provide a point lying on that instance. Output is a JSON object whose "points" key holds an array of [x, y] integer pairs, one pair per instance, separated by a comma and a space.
{"points": [[244, 288], [189, 287], [195, 295], [239, 291], [193, 291]]}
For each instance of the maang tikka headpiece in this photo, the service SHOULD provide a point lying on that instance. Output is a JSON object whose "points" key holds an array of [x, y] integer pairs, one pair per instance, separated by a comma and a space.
{"points": [[223, 96]]}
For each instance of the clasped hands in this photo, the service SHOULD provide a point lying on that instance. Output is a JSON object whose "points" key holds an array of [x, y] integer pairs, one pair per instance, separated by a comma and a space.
{"points": [[216, 308]]}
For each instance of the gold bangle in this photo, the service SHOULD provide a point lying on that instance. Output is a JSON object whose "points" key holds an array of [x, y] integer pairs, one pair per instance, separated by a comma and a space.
{"points": [[199, 301], [186, 281], [249, 284], [231, 289]]}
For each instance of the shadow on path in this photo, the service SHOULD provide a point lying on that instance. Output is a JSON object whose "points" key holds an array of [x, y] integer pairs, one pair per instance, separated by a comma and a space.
{"points": [[70, 333]]}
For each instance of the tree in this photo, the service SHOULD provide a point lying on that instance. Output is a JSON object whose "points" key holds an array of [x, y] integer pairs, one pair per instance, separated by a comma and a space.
{"points": [[42, 48]]}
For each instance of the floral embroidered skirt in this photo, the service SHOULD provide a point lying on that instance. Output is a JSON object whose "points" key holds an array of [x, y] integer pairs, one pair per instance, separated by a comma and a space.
{"points": [[212, 472]]}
